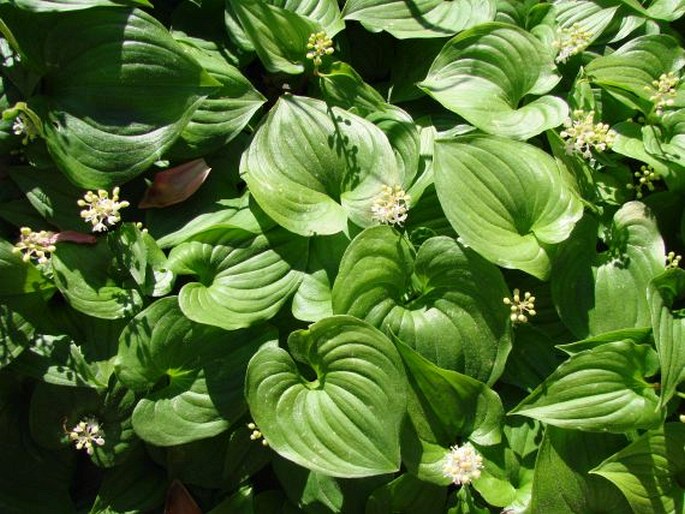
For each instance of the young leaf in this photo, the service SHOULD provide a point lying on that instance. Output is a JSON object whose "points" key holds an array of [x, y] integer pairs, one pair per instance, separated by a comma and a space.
{"points": [[514, 203], [602, 389], [348, 414], [484, 73]]}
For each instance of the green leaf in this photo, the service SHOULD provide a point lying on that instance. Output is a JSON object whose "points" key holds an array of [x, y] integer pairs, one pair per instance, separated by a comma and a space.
{"points": [[421, 18], [648, 471], [407, 494], [347, 406], [445, 405], [15, 334], [279, 36], [243, 278], [138, 485], [192, 374], [445, 301], [667, 10], [665, 292], [633, 67], [73, 5], [598, 291], [326, 12], [223, 114], [514, 202], [562, 484], [602, 389], [100, 81], [483, 75], [20, 277], [89, 278], [330, 168]]}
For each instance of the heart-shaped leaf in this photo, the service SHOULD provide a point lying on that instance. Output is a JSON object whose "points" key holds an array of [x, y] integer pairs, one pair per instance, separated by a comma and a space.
{"points": [[437, 302], [343, 421], [100, 81], [590, 288], [330, 167], [602, 389], [514, 203], [198, 372], [244, 278], [668, 323], [484, 73], [420, 18], [648, 470]]}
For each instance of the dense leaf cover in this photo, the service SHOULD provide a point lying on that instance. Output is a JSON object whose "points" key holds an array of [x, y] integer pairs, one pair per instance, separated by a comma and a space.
{"points": [[316, 256]]}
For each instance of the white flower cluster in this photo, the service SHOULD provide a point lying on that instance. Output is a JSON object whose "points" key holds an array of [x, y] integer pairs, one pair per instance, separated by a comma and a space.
{"points": [[463, 464], [645, 180], [319, 44], [86, 433], [391, 205], [256, 434], [521, 308], [664, 91], [35, 245], [582, 134], [673, 260], [102, 211], [571, 41]]}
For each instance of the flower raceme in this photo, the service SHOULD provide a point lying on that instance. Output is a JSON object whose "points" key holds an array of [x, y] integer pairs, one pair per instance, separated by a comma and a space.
{"points": [[521, 308], [582, 135], [35, 245], [319, 44], [86, 433], [463, 464], [391, 205], [571, 41], [663, 91], [102, 211]]}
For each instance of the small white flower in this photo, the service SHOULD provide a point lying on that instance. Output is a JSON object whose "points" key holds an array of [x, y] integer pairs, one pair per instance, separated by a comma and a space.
{"points": [[23, 126], [673, 260], [645, 179], [35, 245], [102, 211], [462, 464], [390, 206], [319, 44], [664, 91], [571, 41], [86, 433], [256, 434], [582, 134], [520, 308]]}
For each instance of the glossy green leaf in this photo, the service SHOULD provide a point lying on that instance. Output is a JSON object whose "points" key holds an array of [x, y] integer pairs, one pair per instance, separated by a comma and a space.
{"points": [[347, 406], [20, 277], [483, 75], [15, 334], [329, 168], [198, 372], [445, 405], [635, 65], [434, 301], [600, 291], [279, 36], [648, 471], [562, 484], [602, 389], [89, 278], [326, 12], [668, 322], [406, 493], [95, 84], [667, 10], [590, 16], [243, 278], [514, 202], [419, 19], [73, 5], [223, 114]]}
